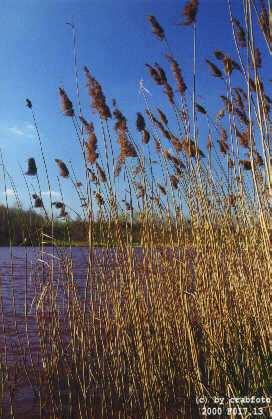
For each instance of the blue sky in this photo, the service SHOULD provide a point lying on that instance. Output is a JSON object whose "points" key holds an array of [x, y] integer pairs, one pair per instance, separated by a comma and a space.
{"points": [[114, 41]]}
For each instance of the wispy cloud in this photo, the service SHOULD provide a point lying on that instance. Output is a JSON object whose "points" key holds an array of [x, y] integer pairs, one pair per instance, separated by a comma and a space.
{"points": [[16, 131], [24, 130], [54, 194], [9, 192]]}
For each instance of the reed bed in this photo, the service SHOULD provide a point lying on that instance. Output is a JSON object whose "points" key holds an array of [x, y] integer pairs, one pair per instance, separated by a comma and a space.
{"points": [[174, 311]]}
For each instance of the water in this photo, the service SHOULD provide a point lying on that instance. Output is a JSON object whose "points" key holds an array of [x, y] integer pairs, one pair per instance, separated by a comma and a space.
{"points": [[26, 281], [24, 275]]}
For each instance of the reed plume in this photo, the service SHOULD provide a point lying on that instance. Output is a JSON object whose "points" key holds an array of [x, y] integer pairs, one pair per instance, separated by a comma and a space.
{"points": [[189, 12], [257, 58], [121, 121], [177, 74], [140, 122], [243, 137], [32, 168], [66, 104], [174, 181], [63, 213], [176, 143], [99, 199], [176, 161], [265, 24], [58, 204], [145, 136], [169, 93], [227, 103], [91, 144], [200, 109], [38, 203], [214, 69], [161, 188], [219, 55], [191, 149], [156, 27], [101, 174], [64, 172], [29, 103], [155, 74], [224, 147], [162, 116], [92, 176], [89, 128], [98, 98], [239, 33], [127, 149], [242, 116], [246, 164]]}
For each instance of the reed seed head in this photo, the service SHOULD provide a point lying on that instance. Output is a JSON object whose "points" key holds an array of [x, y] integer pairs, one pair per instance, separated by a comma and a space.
{"points": [[64, 172], [145, 136], [98, 98], [163, 117], [214, 69], [239, 33], [66, 104], [181, 86], [174, 181], [189, 12], [190, 148], [101, 174], [32, 168], [156, 27], [200, 109], [29, 103], [140, 122]]}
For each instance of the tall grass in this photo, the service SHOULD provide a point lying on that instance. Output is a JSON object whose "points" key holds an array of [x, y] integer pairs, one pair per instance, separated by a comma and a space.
{"points": [[186, 314]]}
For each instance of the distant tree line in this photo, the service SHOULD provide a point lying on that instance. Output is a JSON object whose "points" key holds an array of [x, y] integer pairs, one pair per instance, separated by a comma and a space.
{"points": [[27, 227]]}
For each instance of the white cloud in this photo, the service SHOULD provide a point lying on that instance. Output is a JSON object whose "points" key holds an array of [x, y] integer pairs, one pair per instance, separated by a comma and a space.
{"points": [[54, 194], [16, 131], [9, 192], [24, 130], [30, 127]]}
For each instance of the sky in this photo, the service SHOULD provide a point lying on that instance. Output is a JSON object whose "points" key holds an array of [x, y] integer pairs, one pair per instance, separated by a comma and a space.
{"points": [[115, 41]]}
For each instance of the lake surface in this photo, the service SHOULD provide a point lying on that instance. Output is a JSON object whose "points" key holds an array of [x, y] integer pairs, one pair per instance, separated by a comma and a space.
{"points": [[24, 273]]}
